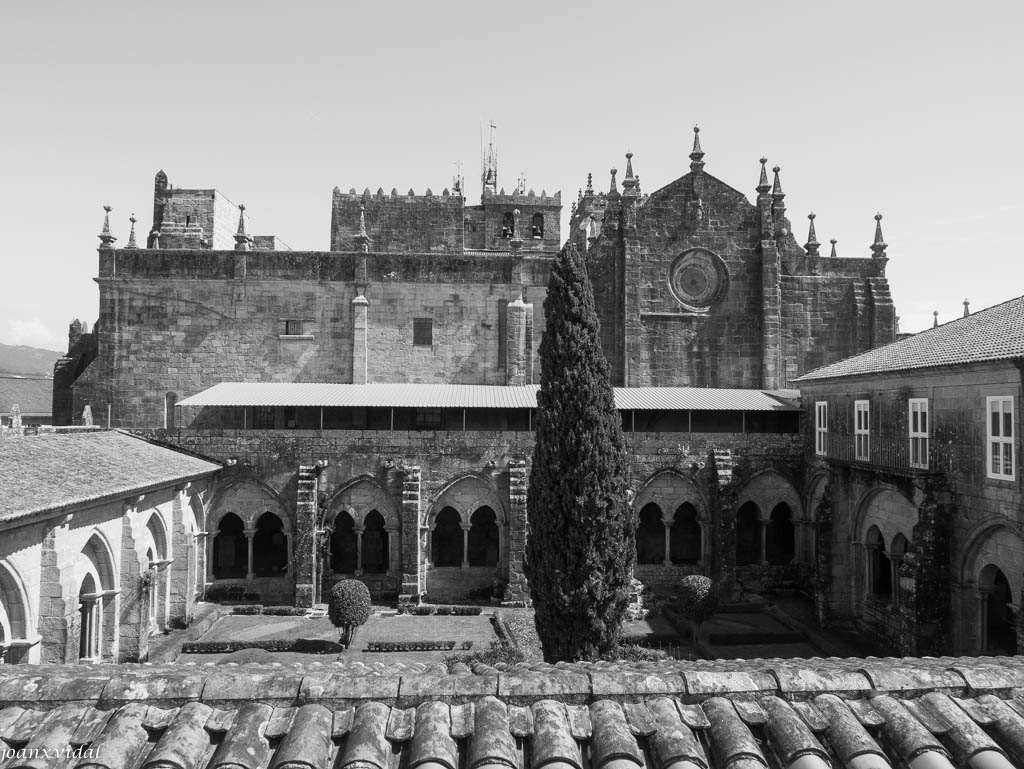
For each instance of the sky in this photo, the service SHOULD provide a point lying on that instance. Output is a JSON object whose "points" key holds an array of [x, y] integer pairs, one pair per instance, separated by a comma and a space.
{"points": [[911, 109]]}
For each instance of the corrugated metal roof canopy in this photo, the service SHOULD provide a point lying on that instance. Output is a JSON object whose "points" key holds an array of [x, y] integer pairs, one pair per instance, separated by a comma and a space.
{"points": [[408, 395]]}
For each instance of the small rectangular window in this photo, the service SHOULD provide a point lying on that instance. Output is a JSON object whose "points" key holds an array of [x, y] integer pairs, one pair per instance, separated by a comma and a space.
{"points": [[861, 430], [821, 428], [918, 424], [293, 327], [428, 419], [1000, 437], [423, 332]]}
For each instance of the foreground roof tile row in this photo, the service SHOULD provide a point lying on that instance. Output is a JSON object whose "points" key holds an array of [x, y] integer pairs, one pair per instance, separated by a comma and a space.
{"points": [[667, 715]]}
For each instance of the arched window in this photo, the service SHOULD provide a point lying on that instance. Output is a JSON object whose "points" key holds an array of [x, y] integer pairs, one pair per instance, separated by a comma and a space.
{"points": [[650, 535], [507, 225], [343, 545], [780, 542], [685, 536], [446, 538], [97, 599], [375, 544], [538, 225], [879, 566], [483, 538], [230, 550], [748, 534], [998, 621], [269, 547], [89, 619], [13, 622]]}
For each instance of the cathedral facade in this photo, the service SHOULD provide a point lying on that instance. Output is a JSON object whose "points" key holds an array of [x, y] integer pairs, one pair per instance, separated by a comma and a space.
{"points": [[373, 403]]}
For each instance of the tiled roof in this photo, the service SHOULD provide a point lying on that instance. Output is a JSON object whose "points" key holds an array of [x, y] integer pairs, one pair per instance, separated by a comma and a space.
{"points": [[52, 470], [666, 715], [995, 333], [400, 395], [34, 396]]}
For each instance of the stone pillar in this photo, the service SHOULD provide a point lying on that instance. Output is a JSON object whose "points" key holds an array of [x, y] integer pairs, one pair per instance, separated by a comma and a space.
{"points": [[306, 510], [705, 539], [465, 544], [981, 602], [250, 574], [518, 591], [667, 522], [359, 550], [519, 343], [201, 539], [133, 623], [209, 541], [52, 626], [413, 559], [360, 328]]}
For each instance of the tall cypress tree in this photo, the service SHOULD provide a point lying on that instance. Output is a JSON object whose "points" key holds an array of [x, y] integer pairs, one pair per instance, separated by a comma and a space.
{"points": [[581, 548]]}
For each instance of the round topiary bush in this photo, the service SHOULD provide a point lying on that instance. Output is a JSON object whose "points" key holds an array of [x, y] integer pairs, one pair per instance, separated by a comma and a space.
{"points": [[697, 600], [348, 607]]}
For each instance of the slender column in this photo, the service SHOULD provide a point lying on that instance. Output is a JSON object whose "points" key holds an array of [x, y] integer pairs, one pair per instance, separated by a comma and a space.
{"points": [[429, 547], [208, 548], [764, 543], [392, 549], [249, 534], [465, 545], [705, 537], [202, 561], [288, 552], [982, 613], [667, 522], [359, 550], [894, 570]]}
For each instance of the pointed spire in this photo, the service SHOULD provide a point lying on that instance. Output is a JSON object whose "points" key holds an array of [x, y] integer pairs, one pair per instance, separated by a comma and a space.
{"points": [[812, 239], [516, 243], [833, 242], [107, 238], [935, 319], [242, 241], [967, 308], [579, 198], [879, 246], [590, 184], [629, 183], [613, 189], [777, 193], [362, 240], [697, 155], [762, 186], [131, 235]]}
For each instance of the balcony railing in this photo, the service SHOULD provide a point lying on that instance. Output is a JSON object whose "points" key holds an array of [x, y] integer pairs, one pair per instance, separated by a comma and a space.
{"points": [[887, 448]]}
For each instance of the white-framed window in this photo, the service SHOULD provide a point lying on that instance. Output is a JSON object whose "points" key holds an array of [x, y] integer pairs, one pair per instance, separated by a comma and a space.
{"points": [[821, 428], [1000, 437], [918, 431], [861, 430]]}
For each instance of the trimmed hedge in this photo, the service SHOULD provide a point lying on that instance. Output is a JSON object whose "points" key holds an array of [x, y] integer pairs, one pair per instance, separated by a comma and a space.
{"points": [[459, 611], [284, 611], [304, 645], [247, 610], [415, 646]]}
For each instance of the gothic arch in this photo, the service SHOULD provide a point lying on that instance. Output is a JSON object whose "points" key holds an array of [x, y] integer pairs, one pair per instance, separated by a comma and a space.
{"points": [[14, 606], [887, 509], [248, 499], [766, 490], [361, 495], [668, 489], [466, 494], [996, 543], [95, 586], [815, 490]]}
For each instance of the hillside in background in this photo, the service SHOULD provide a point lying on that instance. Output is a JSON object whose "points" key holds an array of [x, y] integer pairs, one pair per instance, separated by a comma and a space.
{"points": [[27, 361]]}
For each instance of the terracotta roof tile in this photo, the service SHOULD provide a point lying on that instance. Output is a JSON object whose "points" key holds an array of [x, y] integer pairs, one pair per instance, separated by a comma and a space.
{"points": [[53, 470], [995, 333], [758, 714]]}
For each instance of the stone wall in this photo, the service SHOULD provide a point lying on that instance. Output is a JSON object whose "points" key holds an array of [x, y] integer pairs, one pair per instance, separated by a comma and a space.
{"points": [[410, 476], [189, 319], [970, 520], [399, 222]]}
